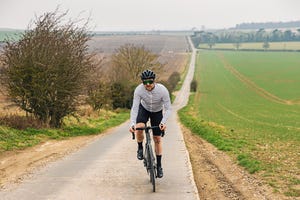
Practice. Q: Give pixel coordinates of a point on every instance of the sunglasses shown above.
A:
(145, 82)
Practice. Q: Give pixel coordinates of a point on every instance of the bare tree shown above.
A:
(130, 60)
(46, 70)
(127, 63)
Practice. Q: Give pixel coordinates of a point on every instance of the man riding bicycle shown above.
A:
(149, 100)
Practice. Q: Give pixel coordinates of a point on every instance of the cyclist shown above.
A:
(149, 101)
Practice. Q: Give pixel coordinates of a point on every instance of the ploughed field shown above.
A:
(159, 44)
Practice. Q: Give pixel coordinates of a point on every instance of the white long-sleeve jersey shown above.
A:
(155, 100)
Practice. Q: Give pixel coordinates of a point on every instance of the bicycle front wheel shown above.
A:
(151, 168)
(152, 177)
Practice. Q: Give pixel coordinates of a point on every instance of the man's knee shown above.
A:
(140, 125)
(157, 139)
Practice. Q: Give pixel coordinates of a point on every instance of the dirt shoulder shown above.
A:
(216, 175)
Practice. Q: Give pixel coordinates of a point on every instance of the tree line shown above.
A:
(261, 35)
(268, 25)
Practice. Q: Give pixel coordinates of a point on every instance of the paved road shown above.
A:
(108, 169)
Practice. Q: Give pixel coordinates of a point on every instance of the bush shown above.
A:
(47, 69)
(194, 85)
(122, 95)
(99, 96)
(173, 81)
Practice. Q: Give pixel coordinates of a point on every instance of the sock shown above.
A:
(140, 145)
(158, 159)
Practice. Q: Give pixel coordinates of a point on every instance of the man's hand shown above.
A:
(162, 127)
(131, 129)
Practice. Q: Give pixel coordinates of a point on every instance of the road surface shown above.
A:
(108, 168)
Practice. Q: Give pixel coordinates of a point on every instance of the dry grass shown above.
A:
(21, 122)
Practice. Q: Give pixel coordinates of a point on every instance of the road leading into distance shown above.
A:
(108, 168)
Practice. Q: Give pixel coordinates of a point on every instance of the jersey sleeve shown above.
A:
(166, 105)
(135, 107)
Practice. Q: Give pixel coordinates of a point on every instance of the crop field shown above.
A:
(252, 100)
(280, 46)
(159, 44)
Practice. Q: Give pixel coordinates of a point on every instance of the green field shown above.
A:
(248, 103)
(256, 45)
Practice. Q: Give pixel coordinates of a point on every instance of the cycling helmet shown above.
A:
(147, 74)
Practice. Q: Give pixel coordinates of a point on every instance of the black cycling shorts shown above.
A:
(155, 118)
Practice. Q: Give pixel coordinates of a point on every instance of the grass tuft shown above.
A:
(249, 163)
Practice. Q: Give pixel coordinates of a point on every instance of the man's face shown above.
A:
(149, 84)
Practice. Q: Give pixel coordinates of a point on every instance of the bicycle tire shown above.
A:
(152, 175)
(151, 168)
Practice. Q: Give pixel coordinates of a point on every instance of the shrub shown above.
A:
(173, 81)
(194, 85)
(46, 70)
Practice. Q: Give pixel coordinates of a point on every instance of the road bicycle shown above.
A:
(149, 159)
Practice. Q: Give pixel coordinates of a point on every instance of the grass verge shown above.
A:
(13, 139)
(217, 136)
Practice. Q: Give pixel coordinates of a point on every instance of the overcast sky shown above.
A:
(129, 15)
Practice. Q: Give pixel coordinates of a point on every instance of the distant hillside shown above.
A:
(9, 33)
(268, 25)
